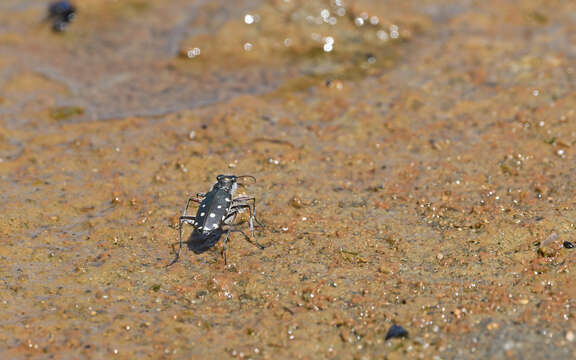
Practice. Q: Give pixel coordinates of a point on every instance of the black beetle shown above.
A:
(396, 331)
(61, 13)
(215, 216)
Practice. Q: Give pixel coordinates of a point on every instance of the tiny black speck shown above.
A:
(61, 13)
(396, 331)
(568, 245)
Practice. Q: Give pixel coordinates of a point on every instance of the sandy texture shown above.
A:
(418, 172)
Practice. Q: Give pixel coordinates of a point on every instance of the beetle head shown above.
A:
(230, 182)
(226, 182)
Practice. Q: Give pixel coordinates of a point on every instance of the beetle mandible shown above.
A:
(217, 210)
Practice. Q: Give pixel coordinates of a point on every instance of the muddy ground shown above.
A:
(415, 166)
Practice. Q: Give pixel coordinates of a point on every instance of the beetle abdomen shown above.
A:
(213, 210)
(200, 241)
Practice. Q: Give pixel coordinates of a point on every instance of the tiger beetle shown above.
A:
(215, 216)
(61, 13)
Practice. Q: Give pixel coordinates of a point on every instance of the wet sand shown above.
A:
(414, 163)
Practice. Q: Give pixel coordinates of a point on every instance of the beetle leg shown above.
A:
(247, 238)
(183, 220)
(229, 217)
(196, 200)
(224, 247)
(250, 221)
(245, 200)
(232, 213)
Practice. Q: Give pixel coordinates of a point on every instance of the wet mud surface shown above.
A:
(415, 166)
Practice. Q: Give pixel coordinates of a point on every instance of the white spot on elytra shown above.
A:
(212, 215)
(227, 199)
(202, 214)
(219, 206)
(215, 226)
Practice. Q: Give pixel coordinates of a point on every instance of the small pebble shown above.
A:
(396, 331)
(568, 245)
(570, 336)
(492, 326)
(296, 202)
(550, 246)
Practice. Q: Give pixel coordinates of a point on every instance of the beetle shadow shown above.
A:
(199, 243)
